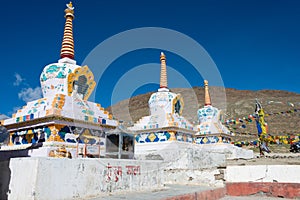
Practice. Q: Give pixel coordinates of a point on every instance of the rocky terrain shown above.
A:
(234, 103)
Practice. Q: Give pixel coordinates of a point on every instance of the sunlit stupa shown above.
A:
(64, 115)
(210, 128)
(165, 122)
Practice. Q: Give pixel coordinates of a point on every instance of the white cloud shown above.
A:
(15, 109)
(18, 80)
(27, 93)
(30, 94)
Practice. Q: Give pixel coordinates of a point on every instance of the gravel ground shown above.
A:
(269, 159)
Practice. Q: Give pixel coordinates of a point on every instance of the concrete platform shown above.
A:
(146, 179)
(171, 192)
(183, 192)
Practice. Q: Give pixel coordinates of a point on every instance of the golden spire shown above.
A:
(206, 94)
(163, 71)
(67, 49)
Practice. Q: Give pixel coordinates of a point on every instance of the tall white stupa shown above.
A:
(165, 122)
(64, 114)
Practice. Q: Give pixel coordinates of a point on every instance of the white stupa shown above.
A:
(64, 114)
(165, 122)
(210, 128)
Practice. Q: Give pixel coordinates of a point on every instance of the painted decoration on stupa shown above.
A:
(210, 128)
(165, 107)
(66, 88)
(165, 117)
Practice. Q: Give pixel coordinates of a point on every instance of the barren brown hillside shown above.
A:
(235, 103)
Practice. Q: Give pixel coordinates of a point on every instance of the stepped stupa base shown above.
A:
(171, 151)
(47, 149)
(213, 138)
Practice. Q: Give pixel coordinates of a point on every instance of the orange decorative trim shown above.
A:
(163, 71)
(67, 49)
(206, 94)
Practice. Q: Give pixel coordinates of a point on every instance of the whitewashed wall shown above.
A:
(263, 173)
(51, 178)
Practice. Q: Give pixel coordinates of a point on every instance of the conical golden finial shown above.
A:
(163, 71)
(206, 94)
(67, 49)
(70, 5)
(69, 10)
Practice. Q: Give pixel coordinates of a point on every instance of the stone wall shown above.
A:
(263, 173)
(186, 163)
(272, 180)
(53, 178)
(208, 154)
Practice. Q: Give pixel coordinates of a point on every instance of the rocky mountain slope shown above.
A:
(235, 103)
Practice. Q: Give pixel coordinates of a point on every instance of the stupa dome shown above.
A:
(165, 101)
(54, 78)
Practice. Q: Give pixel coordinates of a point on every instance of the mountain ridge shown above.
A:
(235, 104)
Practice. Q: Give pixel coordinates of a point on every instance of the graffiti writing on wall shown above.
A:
(135, 170)
(114, 173)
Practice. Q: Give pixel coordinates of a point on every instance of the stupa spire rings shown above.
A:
(163, 71)
(67, 49)
(207, 100)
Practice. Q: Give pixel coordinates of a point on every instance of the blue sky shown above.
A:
(254, 44)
